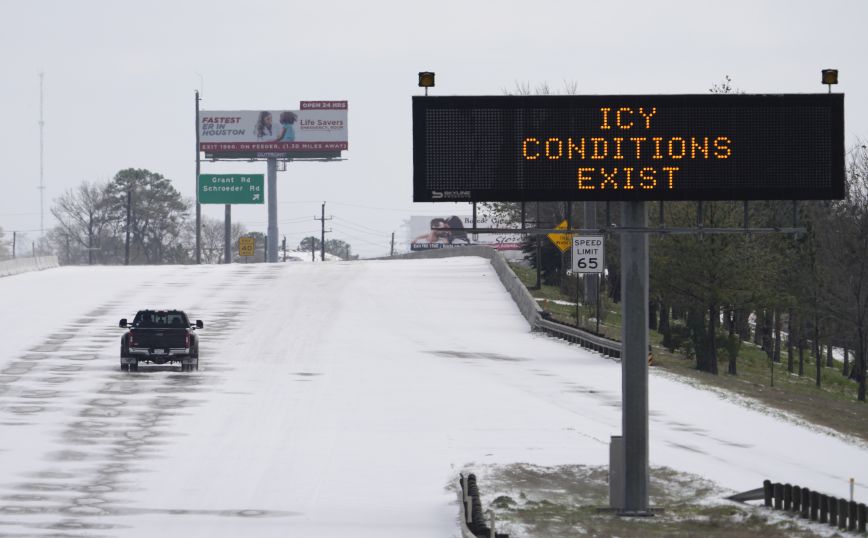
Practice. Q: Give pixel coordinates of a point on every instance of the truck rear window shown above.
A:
(158, 318)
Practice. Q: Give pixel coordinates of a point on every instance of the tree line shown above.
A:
(794, 296)
(139, 218)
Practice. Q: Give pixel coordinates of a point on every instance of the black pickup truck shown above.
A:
(160, 336)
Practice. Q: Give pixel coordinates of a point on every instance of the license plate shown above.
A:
(159, 352)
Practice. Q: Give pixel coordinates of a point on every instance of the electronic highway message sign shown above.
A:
(628, 147)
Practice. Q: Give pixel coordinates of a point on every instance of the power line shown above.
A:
(363, 240)
(403, 210)
(361, 225)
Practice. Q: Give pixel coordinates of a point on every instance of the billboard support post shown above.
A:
(634, 364)
(271, 245)
(227, 234)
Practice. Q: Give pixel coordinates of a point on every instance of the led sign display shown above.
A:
(628, 147)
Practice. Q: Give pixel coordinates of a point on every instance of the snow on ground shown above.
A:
(332, 399)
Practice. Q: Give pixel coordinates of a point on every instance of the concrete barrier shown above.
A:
(16, 266)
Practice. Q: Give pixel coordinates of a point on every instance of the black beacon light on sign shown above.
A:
(426, 80)
(830, 76)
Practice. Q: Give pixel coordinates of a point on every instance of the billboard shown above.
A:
(316, 129)
(628, 147)
(448, 231)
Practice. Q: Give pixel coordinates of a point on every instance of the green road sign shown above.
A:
(231, 189)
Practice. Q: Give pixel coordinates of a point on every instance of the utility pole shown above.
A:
(392, 250)
(14, 239)
(198, 205)
(41, 161)
(129, 208)
(284, 248)
(312, 248)
(323, 231)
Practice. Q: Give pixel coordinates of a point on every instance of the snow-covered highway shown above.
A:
(332, 399)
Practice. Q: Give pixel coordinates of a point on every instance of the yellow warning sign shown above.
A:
(562, 241)
(246, 246)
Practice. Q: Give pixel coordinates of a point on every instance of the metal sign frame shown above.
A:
(628, 147)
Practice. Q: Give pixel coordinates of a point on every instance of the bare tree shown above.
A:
(85, 222)
(213, 239)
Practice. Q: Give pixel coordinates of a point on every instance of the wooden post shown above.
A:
(806, 503)
(815, 504)
(779, 495)
(833, 511)
(767, 492)
(797, 499)
(824, 509)
(788, 497)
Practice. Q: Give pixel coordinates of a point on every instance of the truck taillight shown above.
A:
(187, 340)
(130, 341)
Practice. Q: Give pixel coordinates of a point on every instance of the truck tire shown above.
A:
(134, 367)
(124, 349)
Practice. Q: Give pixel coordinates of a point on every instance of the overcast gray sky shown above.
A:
(120, 76)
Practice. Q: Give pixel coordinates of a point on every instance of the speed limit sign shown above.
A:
(246, 246)
(588, 254)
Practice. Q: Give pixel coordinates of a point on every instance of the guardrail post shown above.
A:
(842, 514)
(824, 508)
(851, 519)
(767, 492)
(815, 504)
(778, 494)
(833, 511)
(468, 505)
(862, 516)
(797, 499)
(788, 497)
(806, 503)
(491, 533)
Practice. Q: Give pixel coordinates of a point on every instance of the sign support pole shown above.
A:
(590, 220)
(271, 240)
(227, 234)
(634, 364)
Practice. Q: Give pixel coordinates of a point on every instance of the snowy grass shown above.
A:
(570, 501)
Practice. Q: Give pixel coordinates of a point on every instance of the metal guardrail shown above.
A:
(610, 348)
